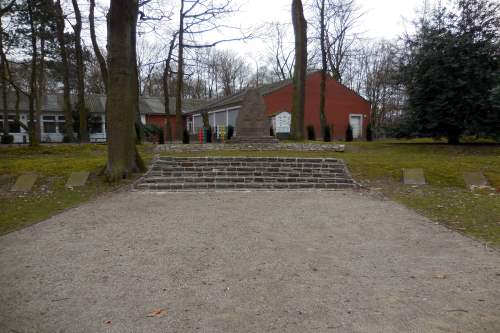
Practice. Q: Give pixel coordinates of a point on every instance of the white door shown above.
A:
(357, 126)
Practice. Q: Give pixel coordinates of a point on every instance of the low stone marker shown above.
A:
(24, 183)
(413, 177)
(77, 179)
(475, 180)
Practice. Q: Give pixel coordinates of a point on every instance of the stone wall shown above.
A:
(250, 147)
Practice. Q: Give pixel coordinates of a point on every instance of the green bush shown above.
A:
(327, 135)
(230, 132)
(369, 133)
(185, 136)
(311, 135)
(348, 134)
(7, 139)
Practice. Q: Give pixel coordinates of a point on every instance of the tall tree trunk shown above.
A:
(166, 95)
(61, 39)
(80, 75)
(123, 158)
(32, 89)
(299, 75)
(95, 46)
(180, 78)
(139, 129)
(40, 89)
(3, 74)
(324, 65)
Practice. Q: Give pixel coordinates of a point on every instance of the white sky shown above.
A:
(382, 19)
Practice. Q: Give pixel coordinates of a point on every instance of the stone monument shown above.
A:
(253, 124)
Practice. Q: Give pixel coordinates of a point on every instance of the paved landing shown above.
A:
(246, 262)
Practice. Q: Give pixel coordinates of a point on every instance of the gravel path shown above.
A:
(245, 262)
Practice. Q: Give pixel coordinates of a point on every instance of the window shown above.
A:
(60, 124)
(49, 127)
(95, 125)
(14, 125)
(49, 124)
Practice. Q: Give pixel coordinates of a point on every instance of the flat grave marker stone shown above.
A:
(25, 183)
(475, 180)
(414, 177)
(77, 179)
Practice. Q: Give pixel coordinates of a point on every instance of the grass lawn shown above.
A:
(374, 164)
(446, 200)
(53, 164)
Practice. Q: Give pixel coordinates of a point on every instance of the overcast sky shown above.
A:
(385, 19)
(381, 19)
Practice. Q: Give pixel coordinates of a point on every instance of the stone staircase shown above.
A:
(245, 173)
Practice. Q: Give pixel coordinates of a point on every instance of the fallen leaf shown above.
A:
(156, 313)
(440, 276)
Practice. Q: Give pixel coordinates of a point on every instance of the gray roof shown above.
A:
(97, 103)
(237, 99)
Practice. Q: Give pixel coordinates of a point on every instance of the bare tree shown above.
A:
(340, 19)
(196, 17)
(299, 75)
(3, 74)
(123, 158)
(80, 74)
(281, 52)
(68, 124)
(95, 45)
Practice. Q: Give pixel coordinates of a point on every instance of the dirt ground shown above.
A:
(246, 262)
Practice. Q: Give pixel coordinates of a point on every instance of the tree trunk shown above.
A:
(61, 39)
(299, 76)
(166, 95)
(180, 78)
(123, 158)
(80, 76)
(95, 46)
(40, 90)
(322, 87)
(32, 89)
(68, 117)
(6, 127)
(139, 129)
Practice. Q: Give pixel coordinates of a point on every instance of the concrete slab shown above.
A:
(77, 179)
(25, 183)
(414, 177)
(475, 180)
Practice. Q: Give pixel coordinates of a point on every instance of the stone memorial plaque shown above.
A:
(413, 177)
(475, 180)
(24, 183)
(77, 179)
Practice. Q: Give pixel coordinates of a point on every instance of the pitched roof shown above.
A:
(97, 103)
(237, 98)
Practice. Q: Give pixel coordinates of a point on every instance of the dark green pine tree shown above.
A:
(451, 69)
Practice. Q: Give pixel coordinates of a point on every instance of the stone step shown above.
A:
(248, 159)
(241, 186)
(245, 173)
(177, 173)
(243, 168)
(246, 180)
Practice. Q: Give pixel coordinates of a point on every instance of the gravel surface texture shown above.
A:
(246, 262)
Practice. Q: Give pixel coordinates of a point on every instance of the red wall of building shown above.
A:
(340, 103)
(160, 120)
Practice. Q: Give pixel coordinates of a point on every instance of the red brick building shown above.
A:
(343, 106)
